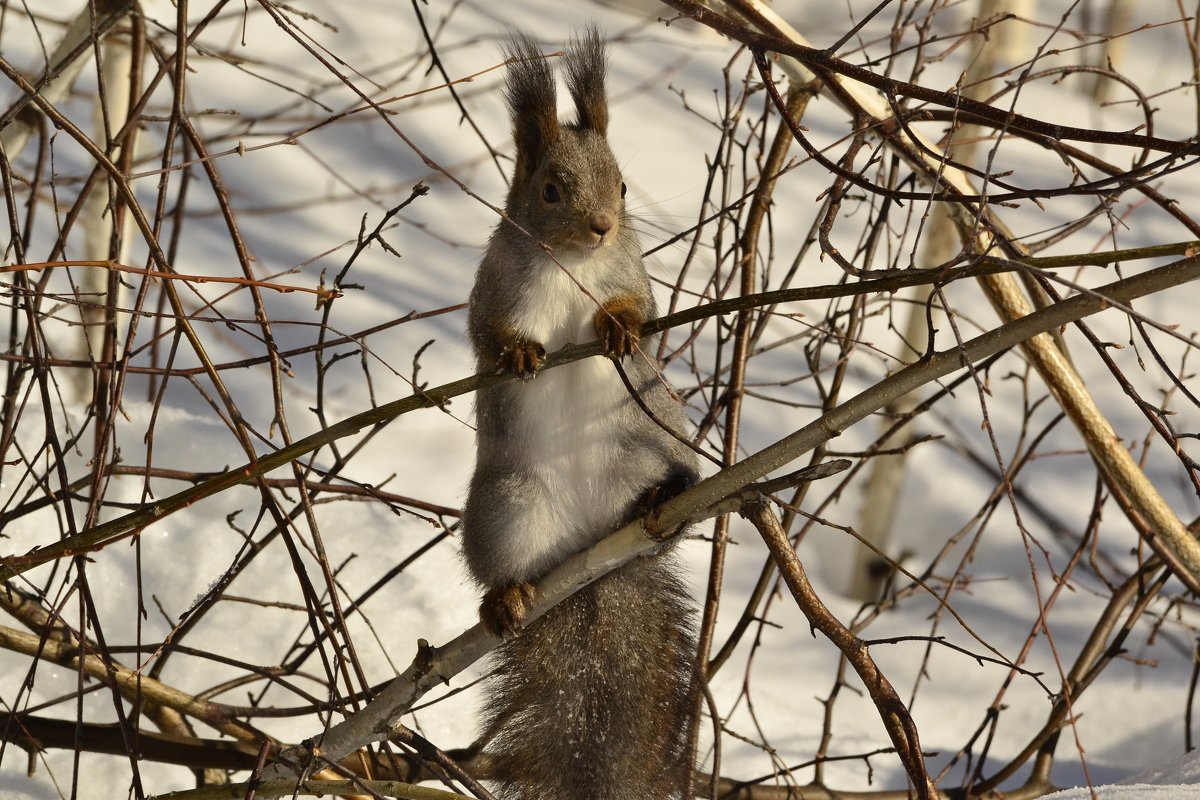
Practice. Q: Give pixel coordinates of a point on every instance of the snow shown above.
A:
(1176, 780)
(1136, 791)
(301, 206)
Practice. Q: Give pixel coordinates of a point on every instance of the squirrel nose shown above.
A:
(601, 224)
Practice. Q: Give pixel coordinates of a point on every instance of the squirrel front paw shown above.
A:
(619, 329)
(504, 608)
(522, 359)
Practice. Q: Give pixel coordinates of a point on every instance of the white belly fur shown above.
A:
(567, 421)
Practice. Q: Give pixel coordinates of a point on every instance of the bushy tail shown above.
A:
(593, 701)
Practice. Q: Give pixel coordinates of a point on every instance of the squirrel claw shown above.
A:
(651, 501)
(619, 332)
(522, 359)
(504, 608)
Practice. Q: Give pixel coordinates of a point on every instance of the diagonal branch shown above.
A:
(1140, 500)
(893, 712)
(716, 494)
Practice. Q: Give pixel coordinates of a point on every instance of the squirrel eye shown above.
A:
(550, 193)
(622, 188)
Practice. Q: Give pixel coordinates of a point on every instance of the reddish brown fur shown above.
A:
(619, 325)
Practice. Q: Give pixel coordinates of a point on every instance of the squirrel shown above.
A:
(596, 700)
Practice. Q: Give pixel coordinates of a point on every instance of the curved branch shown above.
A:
(893, 712)
(972, 110)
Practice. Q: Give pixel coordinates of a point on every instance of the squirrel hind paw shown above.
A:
(653, 498)
(504, 609)
(522, 359)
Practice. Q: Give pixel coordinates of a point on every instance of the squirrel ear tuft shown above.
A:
(532, 100)
(585, 64)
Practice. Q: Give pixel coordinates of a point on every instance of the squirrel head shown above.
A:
(566, 188)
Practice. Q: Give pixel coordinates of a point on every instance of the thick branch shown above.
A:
(1143, 505)
(436, 666)
(130, 682)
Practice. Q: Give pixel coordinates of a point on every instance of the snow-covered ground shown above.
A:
(301, 203)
